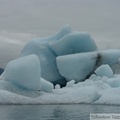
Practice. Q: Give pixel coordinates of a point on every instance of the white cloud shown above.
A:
(21, 20)
(11, 45)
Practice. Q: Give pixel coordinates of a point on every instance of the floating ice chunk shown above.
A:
(46, 85)
(24, 72)
(70, 83)
(114, 82)
(104, 70)
(46, 56)
(76, 66)
(57, 86)
(75, 42)
(109, 57)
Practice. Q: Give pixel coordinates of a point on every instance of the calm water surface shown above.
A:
(53, 112)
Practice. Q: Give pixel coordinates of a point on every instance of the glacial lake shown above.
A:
(53, 112)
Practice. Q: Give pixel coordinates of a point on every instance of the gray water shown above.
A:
(53, 112)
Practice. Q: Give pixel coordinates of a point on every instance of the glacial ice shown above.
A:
(74, 42)
(47, 58)
(76, 66)
(46, 85)
(109, 57)
(90, 91)
(74, 55)
(24, 72)
(104, 70)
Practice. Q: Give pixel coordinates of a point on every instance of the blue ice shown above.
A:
(76, 66)
(47, 58)
(104, 70)
(24, 72)
(74, 42)
(46, 85)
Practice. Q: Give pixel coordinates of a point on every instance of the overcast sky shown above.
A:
(22, 20)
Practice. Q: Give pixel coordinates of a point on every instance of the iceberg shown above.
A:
(76, 66)
(24, 72)
(104, 70)
(47, 57)
(63, 68)
(74, 42)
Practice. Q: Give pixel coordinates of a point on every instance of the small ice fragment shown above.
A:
(104, 70)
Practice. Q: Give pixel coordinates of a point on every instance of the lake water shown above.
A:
(53, 112)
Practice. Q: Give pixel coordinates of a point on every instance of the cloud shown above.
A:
(11, 45)
(22, 20)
